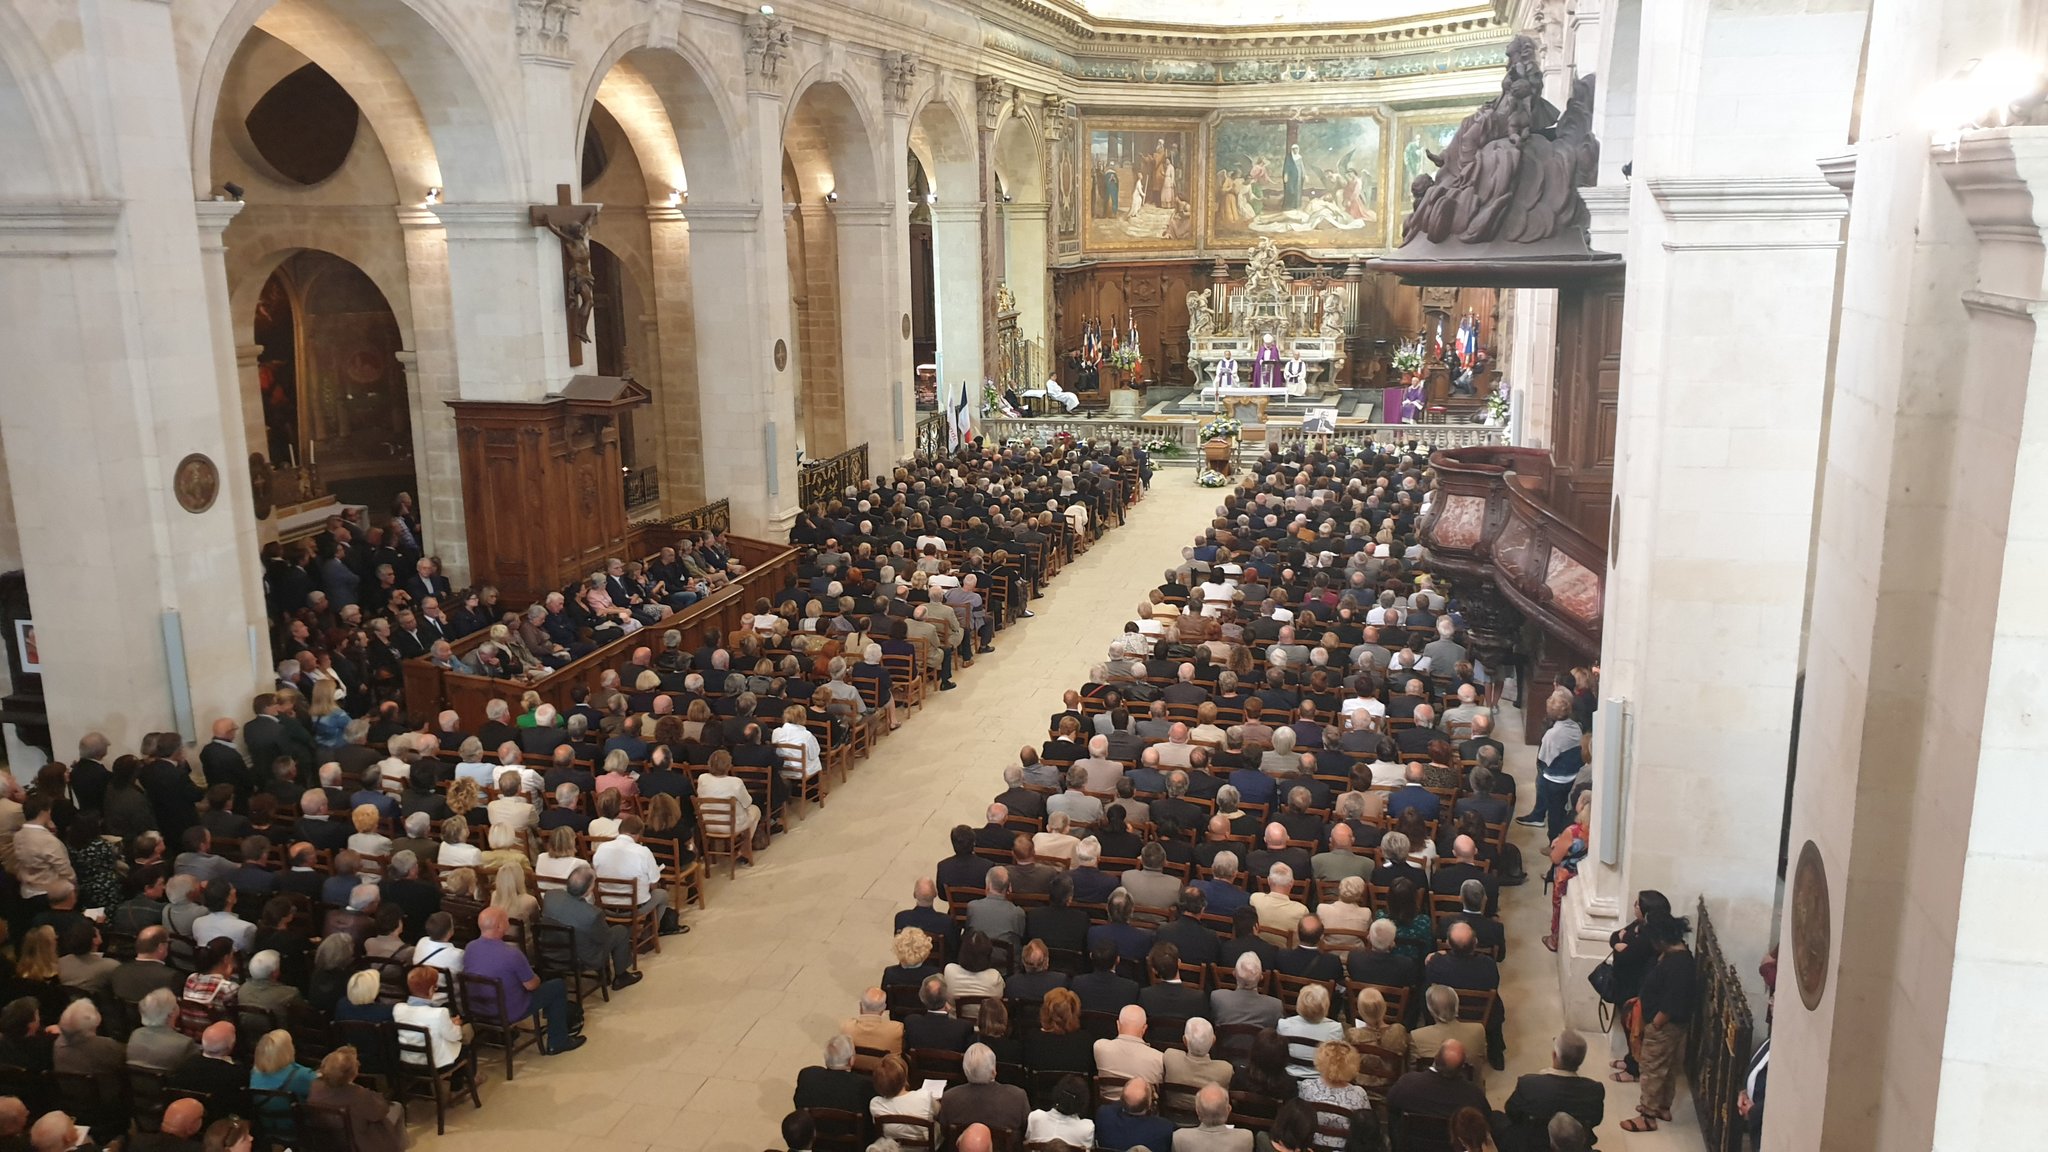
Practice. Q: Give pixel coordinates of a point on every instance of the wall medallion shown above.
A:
(781, 355)
(1812, 926)
(259, 484)
(906, 325)
(196, 483)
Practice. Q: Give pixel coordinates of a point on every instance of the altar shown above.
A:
(1267, 337)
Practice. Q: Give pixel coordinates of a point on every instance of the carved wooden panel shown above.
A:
(1587, 401)
(542, 494)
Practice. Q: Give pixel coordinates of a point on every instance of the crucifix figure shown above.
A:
(571, 225)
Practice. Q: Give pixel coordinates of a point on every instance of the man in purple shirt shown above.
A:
(489, 957)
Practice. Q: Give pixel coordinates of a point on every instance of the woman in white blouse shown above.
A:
(894, 1096)
(792, 731)
(974, 972)
(1067, 1120)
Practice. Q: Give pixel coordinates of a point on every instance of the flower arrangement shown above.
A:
(1497, 407)
(992, 399)
(1124, 357)
(1408, 358)
(1221, 428)
(1162, 447)
(1210, 478)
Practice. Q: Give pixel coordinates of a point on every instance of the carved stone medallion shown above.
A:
(1812, 926)
(906, 325)
(196, 483)
(259, 484)
(781, 355)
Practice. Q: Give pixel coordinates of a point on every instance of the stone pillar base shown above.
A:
(1584, 924)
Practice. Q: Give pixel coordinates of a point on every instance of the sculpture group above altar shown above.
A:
(1291, 334)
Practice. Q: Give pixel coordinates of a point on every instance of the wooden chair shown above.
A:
(619, 899)
(1288, 989)
(685, 882)
(416, 1070)
(935, 1064)
(908, 685)
(719, 834)
(1396, 997)
(482, 1000)
(1333, 1123)
(924, 1135)
(1109, 1088)
(1477, 1004)
(803, 786)
(1252, 1111)
(838, 1131)
(554, 956)
(1414, 1132)
(322, 1128)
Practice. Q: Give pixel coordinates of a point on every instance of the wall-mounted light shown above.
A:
(931, 197)
(2002, 88)
(832, 197)
(233, 190)
(433, 196)
(767, 10)
(675, 197)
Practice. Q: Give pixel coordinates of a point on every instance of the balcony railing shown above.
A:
(831, 477)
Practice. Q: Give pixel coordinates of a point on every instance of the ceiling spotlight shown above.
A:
(433, 195)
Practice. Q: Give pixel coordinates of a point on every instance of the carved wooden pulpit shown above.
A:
(543, 493)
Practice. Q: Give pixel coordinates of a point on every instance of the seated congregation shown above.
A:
(1246, 894)
(287, 935)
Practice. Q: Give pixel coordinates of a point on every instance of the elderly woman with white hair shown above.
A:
(871, 669)
(1349, 911)
(1310, 1027)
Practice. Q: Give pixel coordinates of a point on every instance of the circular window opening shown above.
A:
(304, 126)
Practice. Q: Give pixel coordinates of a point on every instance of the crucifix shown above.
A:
(571, 225)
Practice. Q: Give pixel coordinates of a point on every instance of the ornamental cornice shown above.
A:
(1180, 58)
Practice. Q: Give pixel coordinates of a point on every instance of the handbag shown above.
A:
(1602, 980)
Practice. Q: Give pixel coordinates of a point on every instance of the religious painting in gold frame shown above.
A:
(1303, 177)
(1143, 182)
(1416, 134)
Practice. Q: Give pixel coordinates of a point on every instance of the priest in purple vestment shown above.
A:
(1266, 364)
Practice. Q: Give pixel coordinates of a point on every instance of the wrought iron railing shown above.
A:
(643, 486)
(831, 477)
(931, 435)
(1722, 1041)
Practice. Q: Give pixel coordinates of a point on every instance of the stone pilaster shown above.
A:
(956, 268)
(682, 448)
(430, 379)
(875, 383)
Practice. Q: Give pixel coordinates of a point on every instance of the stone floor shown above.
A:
(703, 1054)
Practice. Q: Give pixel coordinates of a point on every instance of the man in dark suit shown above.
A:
(562, 770)
(921, 915)
(1482, 737)
(544, 737)
(1378, 963)
(1492, 807)
(214, 1071)
(425, 582)
(1244, 937)
(1192, 939)
(936, 1026)
(1462, 966)
(299, 876)
(963, 869)
(1017, 799)
(1540, 1095)
(982, 1101)
(1276, 851)
(274, 731)
(1131, 942)
(1102, 990)
(168, 782)
(419, 898)
(1168, 1002)
(221, 762)
(315, 827)
(1424, 732)
(1057, 922)
(600, 946)
(1450, 876)
(1175, 806)
(1440, 1089)
(835, 1084)
(1489, 932)
(1413, 795)
(1306, 959)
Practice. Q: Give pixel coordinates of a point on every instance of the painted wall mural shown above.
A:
(1416, 136)
(1300, 177)
(1143, 184)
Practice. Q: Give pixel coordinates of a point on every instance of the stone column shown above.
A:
(874, 374)
(742, 311)
(1024, 271)
(682, 449)
(505, 291)
(430, 383)
(956, 270)
(1731, 249)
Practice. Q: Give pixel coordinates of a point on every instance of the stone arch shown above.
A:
(830, 138)
(679, 124)
(1020, 158)
(37, 132)
(413, 70)
(943, 136)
